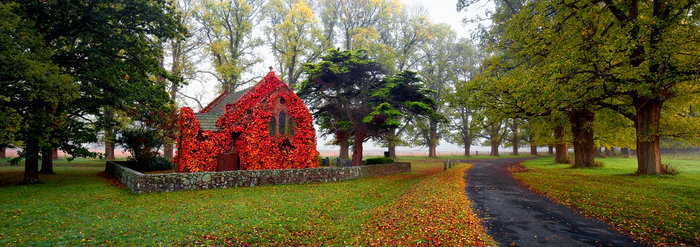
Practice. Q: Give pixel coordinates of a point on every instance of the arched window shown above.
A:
(283, 123)
(290, 129)
(273, 125)
(280, 125)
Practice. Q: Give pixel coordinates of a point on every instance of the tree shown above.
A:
(435, 68)
(660, 63)
(182, 53)
(613, 130)
(494, 132)
(10, 123)
(338, 91)
(228, 27)
(406, 96)
(623, 56)
(88, 56)
(294, 37)
(32, 84)
(514, 134)
(551, 81)
(462, 104)
(348, 91)
(464, 123)
(356, 19)
(400, 34)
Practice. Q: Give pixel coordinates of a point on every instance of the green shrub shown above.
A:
(160, 164)
(142, 143)
(379, 160)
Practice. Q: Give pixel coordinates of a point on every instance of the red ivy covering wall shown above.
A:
(249, 118)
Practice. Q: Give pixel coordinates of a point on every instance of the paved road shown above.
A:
(515, 216)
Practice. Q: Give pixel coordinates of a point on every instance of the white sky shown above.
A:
(439, 11)
(445, 11)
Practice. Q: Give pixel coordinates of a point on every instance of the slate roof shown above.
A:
(207, 117)
(217, 105)
(207, 121)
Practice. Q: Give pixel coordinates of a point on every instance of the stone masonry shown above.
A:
(139, 182)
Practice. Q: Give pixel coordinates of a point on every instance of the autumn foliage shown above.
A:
(433, 212)
(248, 119)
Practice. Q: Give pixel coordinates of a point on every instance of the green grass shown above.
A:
(77, 207)
(660, 208)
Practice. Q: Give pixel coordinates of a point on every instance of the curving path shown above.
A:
(515, 216)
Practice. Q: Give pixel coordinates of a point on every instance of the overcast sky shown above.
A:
(445, 11)
(439, 11)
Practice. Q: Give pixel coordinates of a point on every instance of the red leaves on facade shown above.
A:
(247, 123)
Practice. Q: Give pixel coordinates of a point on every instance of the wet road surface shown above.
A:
(515, 216)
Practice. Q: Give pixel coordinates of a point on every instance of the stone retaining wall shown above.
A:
(139, 182)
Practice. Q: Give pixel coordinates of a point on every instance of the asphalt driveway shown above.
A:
(515, 216)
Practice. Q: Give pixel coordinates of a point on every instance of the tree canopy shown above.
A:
(65, 61)
(583, 57)
(351, 96)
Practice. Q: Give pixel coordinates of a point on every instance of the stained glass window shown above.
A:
(273, 125)
(282, 119)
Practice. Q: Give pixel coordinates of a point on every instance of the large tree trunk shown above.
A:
(467, 139)
(344, 150)
(562, 152)
(2, 153)
(582, 130)
(109, 145)
(432, 139)
(533, 149)
(516, 138)
(54, 154)
(46, 161)
(550, 149)
(494, 148)
(357, 149)
(391, 144)
(109, 135)
(647, 129)
(31, 161)
(343, 140)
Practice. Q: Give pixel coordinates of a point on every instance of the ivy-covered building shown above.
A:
(266, 126)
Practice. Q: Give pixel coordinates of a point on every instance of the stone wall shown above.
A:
(139, 182)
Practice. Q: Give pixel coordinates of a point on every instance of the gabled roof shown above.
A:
(208, 115)
(217, 105)
(207, 121)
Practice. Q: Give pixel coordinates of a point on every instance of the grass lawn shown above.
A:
(661, 208)
(76, 207)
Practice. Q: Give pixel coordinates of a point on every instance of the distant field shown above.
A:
(65, 162)
(462, 157)
(661, 208)
(78, 207)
